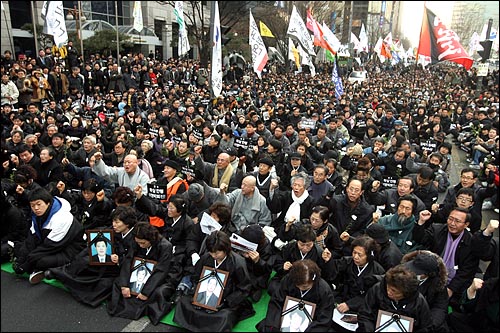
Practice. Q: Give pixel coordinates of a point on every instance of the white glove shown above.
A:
(194, 258)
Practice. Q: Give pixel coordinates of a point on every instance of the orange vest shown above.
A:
(158, 221)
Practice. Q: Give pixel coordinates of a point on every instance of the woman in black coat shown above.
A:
(154, 298)
(49, 170)
(91, 284)
(396, 293)
(287, 201)
(234, 305)
(353, 274)
(259, 261)
(432, 276)
(304, 282)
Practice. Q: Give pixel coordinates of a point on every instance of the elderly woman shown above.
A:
(295, 205)
(16, 138)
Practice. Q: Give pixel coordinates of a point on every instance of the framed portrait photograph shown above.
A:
(139, 274)
(393, 322)
(297, 315)
(210, 288)
(100, 246)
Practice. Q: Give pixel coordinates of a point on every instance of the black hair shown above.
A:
(410, 198)
(222, 210)
(122, 195)
(40, 194)
(403, 279)
(369, 244)
(179, 203)
(305, 233)
(126, 214)
(218, 241)
(426, 172)
(304, 271)
(322, 211)
(24, 174)
(145, 230)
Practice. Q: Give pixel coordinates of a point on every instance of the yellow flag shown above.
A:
(296, 56)
(265, 31)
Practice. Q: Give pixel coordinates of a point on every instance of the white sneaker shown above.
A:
(37, 277)
(496, 210)
(487, 205)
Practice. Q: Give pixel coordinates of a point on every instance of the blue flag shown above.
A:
(339, 88)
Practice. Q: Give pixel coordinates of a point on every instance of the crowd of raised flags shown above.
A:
(300, 40)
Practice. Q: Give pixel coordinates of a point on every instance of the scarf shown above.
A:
(449, 254)
(226, 177)
(294, 209)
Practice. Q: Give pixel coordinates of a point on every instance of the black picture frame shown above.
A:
(141, 269)
(95, 239)
(214, 279)
(296, 315)
(393, 322)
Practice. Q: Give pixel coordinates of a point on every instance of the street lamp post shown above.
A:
(79, 17)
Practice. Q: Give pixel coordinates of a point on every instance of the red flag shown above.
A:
(440, 43)
(309, 20)
(385, 51)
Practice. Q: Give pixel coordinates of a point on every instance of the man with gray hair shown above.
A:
(249, 206)
(294, 205)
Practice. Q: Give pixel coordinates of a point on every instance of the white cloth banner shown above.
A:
(55, 24)
(137, 15)
(355, 41)
(184, 46)
(363, 39)
(306, 60)
(330, 38)
(298, 30)
(216, 65)
(259, 51)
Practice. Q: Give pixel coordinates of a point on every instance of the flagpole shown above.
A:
(212, 17)
(8, 31)
(81, 30)
(117, 35)
(35, 34)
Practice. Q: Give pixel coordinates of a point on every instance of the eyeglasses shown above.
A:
(467, 177)
(454, 220)
(463, 199)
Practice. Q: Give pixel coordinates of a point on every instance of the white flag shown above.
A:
(184, 46)
(306, 60)
(297, 29)
(216, 64)
(363, 39)
(259, 52)
(330, 38)
(137, 14)
(290, 50)
(378, 49)
(55, 24)
(355, 41)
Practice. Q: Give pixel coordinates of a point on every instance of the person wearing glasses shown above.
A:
(465, 200)
(468, 179)
(455, 244)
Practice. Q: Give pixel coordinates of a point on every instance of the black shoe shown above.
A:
(256, 295)
(49, 275)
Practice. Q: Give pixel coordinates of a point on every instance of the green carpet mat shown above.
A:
(247, 325)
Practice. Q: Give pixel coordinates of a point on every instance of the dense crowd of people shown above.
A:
(336, 199)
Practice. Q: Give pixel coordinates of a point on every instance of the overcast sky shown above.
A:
(413, 11)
